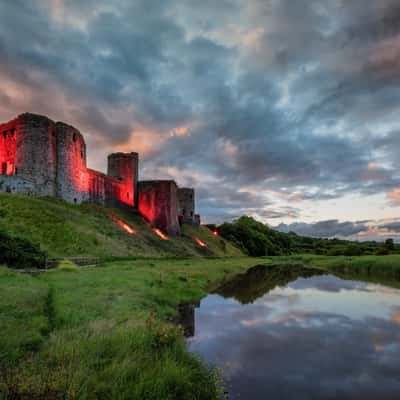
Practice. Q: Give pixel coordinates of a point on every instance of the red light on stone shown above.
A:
(215, 233)
(161, 234)
(125, 226)
(10, 169)
(200, 242)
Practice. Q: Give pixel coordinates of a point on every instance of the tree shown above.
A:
(389, 244)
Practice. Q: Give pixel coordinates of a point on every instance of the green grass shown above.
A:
(104, 332)
(67, 230)
(23, 321)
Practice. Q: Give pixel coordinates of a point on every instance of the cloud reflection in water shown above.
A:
(318, 337)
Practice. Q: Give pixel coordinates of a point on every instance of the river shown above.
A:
(297, 333)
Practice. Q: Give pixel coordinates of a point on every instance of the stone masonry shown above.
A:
(43, 158)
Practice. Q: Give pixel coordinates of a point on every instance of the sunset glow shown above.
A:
(259, 123)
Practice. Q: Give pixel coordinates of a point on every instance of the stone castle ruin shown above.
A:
(45, 158)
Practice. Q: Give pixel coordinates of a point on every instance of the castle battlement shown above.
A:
(45, 158)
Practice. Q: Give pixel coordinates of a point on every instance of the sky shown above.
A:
(284, 110)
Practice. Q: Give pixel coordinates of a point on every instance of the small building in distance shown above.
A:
(45, 158)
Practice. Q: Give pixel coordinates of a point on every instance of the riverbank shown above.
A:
(103, 332)
(377, 269)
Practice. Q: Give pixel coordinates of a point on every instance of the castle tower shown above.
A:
(159, 204)
(28, 155)
(124, 167)
(72, 174)
(186, 205)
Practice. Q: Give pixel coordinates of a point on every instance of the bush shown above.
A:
(68, 266)
(382, 251)
(353, 250)
(20, 253)
(389, 244)
(255, 238)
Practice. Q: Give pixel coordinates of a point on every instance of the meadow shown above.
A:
(107, 332)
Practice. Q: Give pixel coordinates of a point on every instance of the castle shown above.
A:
(45, 158)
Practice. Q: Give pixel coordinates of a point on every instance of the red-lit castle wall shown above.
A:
(158, 203)
(7, 147)
(124, 168)
(40, 157)
(72, 174)
(28, 155)
(44, 158)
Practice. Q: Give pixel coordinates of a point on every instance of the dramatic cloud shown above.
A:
(325, 228)
(359, 230)
(270, 108)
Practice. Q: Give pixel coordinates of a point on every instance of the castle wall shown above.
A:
(43, 158)
(96, 187)
(72, 174)
(117, 193)
(8, 133)
(124, 167)
(28, 155)
(105, 190)
(186, 205)
(158, 203)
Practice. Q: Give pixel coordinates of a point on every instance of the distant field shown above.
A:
(67, 230)
(379, 267)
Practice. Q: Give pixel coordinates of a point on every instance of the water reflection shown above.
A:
(303, 336)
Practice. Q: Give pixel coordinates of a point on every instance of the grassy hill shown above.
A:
(66, 230)
(257, 239)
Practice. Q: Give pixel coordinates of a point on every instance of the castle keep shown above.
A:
(45, 158)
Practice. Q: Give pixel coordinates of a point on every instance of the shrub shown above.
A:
(382, 251)
(255, 238)
(353, 250)
(20, 253)
(68, 266)
(389, 244)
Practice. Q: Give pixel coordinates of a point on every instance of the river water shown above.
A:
(295, 333)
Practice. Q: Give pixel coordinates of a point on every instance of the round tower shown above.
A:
(72, 175)
(35, 154)
(124, 167)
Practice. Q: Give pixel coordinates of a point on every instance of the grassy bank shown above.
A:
(67, 230)
(103, 332)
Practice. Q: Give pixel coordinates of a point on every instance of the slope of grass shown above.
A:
(67, 230)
